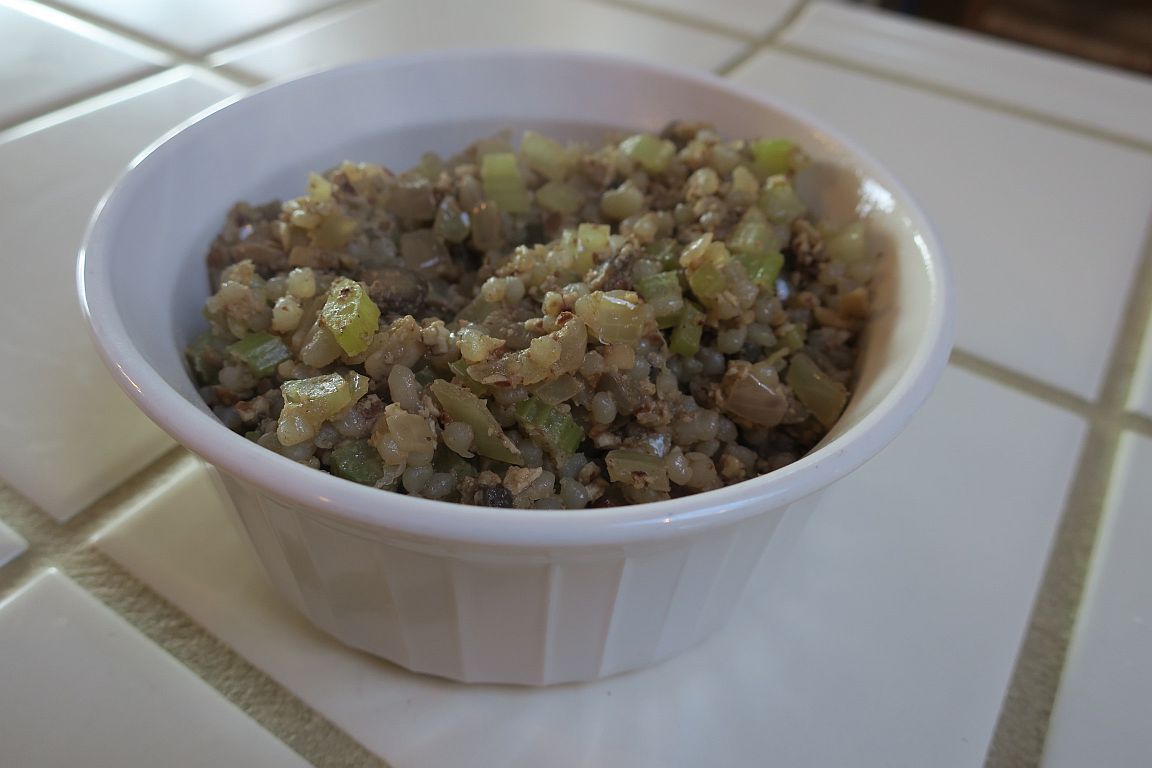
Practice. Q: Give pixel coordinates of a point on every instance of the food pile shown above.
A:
(557, 326)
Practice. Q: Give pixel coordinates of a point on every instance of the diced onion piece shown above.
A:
(412, 432)
(779, 202)
(821, 394)
(335, 231)
(462, 405)
(503, 183)
(753, 234)
(615, 317)
(350, 315)
(637, 470)
(752, 394)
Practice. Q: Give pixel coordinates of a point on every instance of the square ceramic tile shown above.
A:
(1044, 227)
(1089, 94)
(48, 58)
(83, 688)
(1140, 398)
(197, 26)
(744, 17)
(885, 635)
(11, 544)
(1102, 710)
(395, 26)
(70, 434)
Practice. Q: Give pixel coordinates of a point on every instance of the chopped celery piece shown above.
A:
(308, 403)
(462, 405)
(779, 202)
(638, 470)
(763, 268)
(666, 251)
(460, 368)
(206, 355)
(771, 157)
(451, 223)
(350, 315)
(261, 352)
(591, 239)
(753, 234)
(558, 390)
(685, 339)
(707, 281)
(652, 152)
(357, 461)
(663, 290)
(545, 156)
(822, 395)
(503, 183)
(615, 317)
(660, 284)
(559, 197)
(551, 427)
(320, 396)
(620, 203)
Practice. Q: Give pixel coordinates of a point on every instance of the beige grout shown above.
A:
(987, 102)
(50, 541)
(1022, 727)
(679, 17)
(1022, 383)
(769, 37)
(250, 689)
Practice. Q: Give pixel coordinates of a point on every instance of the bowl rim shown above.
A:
(417, 518)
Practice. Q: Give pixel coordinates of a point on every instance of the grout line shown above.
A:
(1055, 121)
(66, 103)
(679, 17)
(67, 546)
(1138, 422)
(1025, 715)
(764, 40)
(107, 98)
(250, 689)
(284, 27)
(112, 27)
(49, 541)
(1022, 382)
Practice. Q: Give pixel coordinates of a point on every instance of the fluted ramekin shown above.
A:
(479, 594)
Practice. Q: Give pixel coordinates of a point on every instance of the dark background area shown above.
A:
(1117, 33)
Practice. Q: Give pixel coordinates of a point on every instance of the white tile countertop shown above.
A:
(994, 610)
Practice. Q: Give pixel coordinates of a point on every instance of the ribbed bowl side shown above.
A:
(502, 615)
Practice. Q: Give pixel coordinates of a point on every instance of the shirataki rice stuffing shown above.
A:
(558, 326)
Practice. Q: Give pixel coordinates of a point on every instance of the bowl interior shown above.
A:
(144, 281)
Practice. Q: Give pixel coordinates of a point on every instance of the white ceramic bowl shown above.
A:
(478, 594)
